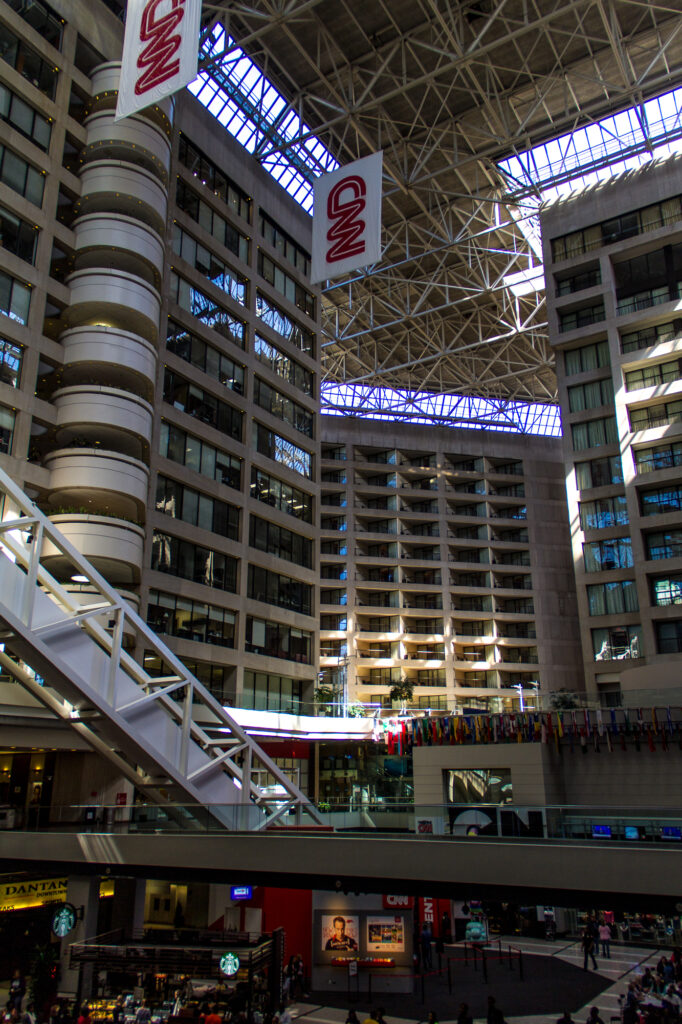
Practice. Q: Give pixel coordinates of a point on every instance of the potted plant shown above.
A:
(324, 698)
(401, 694)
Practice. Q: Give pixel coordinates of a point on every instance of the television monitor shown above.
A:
(632, 832)
(671, 832)
(601, 831)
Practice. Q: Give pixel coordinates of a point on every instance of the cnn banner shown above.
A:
(347, 218)
(160, 51)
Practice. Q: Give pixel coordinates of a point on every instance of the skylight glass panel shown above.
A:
(237, 93)
(465, 411)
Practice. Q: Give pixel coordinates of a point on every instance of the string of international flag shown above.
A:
(582, 729)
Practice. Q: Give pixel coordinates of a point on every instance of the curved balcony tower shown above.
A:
(99, 455)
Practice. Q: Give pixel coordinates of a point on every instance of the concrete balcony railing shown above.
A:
(97, 410)
(104, 479)
(131, 246)
(115, 547)
(115, 185)
(132, 139)
(114, 299)
(113, 356)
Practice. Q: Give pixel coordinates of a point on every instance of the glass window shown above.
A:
(200, 404)
(284, 408)
(279, 322)
(280, 495)
(24, 118)
(603, 555)
(208, 312)
(181, 502)
(661, 500)
(15, 298)
(612, 598)
(205, 357)
(210, 265)
(275, 640)
(599, 472)
(11, 356)
(224, 233)
(603, 513)
(19, 175)
(283, 365)
(284, 244)
(282, 591)
(190, 620)
(587, 357)
(278, 448)
(190, 451)
(594, 433)
(617, 643)
(278, 541)
(669, 636)
(214, 178)
(286, 285)
(666, 590)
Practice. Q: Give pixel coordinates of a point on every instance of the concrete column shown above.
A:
(83, 893)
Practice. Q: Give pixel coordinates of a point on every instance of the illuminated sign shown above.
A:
(229, 964)
(35, 892)
(64, 920)
(241, 892)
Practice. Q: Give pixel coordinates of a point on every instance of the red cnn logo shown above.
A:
(161, 47)
(345, 203)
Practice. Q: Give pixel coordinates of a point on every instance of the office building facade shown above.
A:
(613, 260)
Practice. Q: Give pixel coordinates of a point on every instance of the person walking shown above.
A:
(495, 1015)
(143, 1015)
(605, 939)
(587, 944)
(17, 989)
(464, 1016)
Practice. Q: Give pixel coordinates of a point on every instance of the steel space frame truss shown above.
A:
(448, 88)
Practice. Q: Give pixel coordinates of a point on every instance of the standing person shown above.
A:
(17, 989)
(587, 944)
(566, 1019)
(464, 1017)
(213, 1017)
(431, 1019)
(594, 1017)
(143, 1015)
(284, 1014)
(605, 939)
(29, 1015)
(495, 1015)
(84, 1017)
(425, 943)
(371, 1018)
(352, 1017)
(380, 1015)
(118, 1015)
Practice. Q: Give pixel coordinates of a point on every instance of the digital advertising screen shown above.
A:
(386, 934)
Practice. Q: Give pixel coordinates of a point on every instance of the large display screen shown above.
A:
(386, 934)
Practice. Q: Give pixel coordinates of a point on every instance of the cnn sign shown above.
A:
(347, 218)
(160, 51)
(393, 902)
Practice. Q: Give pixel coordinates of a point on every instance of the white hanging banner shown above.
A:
(160, 51)
(347, 218)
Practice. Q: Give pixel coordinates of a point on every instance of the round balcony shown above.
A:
(115, 547)
(105, 81)
(132, 139)
(112, 298)
(121, 242)
(108, 416)
(116, 185)
(109, 482)
(108, 354)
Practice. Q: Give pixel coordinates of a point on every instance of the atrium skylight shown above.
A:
(466, 411)
(242, 99)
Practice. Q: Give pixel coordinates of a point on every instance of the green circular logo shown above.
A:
(229, 964)
(64, 920)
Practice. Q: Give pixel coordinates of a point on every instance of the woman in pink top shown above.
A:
(605, 939)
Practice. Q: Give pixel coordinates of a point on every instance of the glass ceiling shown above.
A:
(253, 110)
(466, 411)
(249, 106)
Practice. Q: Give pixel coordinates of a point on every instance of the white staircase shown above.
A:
(169, 736)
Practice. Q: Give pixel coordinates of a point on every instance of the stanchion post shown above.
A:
(423, 988)
(449, 978)
(466, 954)
(510, 960)
(484, 965)
(369, 985)
(520, 965)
